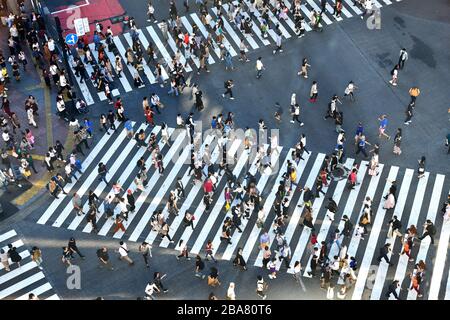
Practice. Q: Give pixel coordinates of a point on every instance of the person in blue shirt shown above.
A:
(88, 126)
(362, 145)
(97, 40)
(382, 127)
(214, 122)
(129, 127)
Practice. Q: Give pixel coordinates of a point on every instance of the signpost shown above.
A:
(71, 39)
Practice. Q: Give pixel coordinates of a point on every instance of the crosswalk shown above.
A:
(231, 39)
(22, 280)
(417, 200)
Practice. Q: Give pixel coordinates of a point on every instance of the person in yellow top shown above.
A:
(414, 92)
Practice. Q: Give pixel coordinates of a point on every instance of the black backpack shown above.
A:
(225, 84)
(432, 230)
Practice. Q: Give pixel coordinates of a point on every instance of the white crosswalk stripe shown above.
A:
(208, 225)
(82, 85)
(21, 280)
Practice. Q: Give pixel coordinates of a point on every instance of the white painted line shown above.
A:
(355, 8)
(201, 207)
(53, 297)
(205, 34)
(326, 224)
(21, 285)
(83, 87)
(160, 45)
(377, 4)
(37, 292)
(300, 170)
(439, 262)
(144, 42)
(111, 172)
(174, 48)
(147, 71)
(89, 180)
(68, 187)
(163, 190)
(189, 29)
(253, 168)
(373, 239)
(425, 244)
(7, 235)
(147, 215)
(230, 30)
(316, 7)
(189, 198)
(354, 242)
(17, 272)
(398, 211)
(217, 209)
(388, 2)
(330, 9)
(344, 10)
(254, 235)
(148, 164)
(260, 186)
(292, 24)
(348, 210)
(90, 70)
(123, 80)
(255, 28)
(72, 7)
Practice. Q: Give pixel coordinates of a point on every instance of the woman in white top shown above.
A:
(293, 100)
(165, 134)
(231, 295)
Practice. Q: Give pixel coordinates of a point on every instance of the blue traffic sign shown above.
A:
(71, 39)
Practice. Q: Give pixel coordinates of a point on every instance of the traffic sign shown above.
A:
(81, 26)
(71, 39)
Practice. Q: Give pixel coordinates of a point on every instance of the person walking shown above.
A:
(313, 93)
(394, 74)
(409, 113)
(66, 256)
(403, 56)
(384, 250)
(119, 224)
(278, 39)
(295, 111)
(349, 91)
(4, 258)
(146, 250)
(184, 252)
(239, 260)
(304, 68)
(261, 287)
(414, 92)
(259, 68)
(72, 245)
(102, 171)
(150, 290)
(103, 258)
(157, 280)
(228, 86)
(383, 122)
(77, 204)
(199, 267)
(392, 289)
(209, 251)
(398, 142)
(421, 168)
(429, 231)
(123, 252)
(231, 295)
(36, 256)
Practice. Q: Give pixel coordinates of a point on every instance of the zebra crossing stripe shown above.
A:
(377, 4)
(398, 211)
(99, 190)
(68, 187)
(354, 242)
(161, 47)
(17, 272)
(82, 85)
(352, 5)
(253, 238)
(373, 239)
(326, 224)
(260, 187)
(295, 216)
(144, 41)
(115, 92)
(174, 48)
(255, 28)
(249, 38)
(388, 2)
(147, 71)
(447, 289)
(253, 170)
(189, 199)
(90, 70)
(7, 235)
(259, 17)
(219, 206)
(201, 207)
(90, 179)
(53, 297)
(37, 292)
(439, 262)
(146, 217)
(21, 285)
(288, 5)
(189, 29)
(123, 80)
(148, 164)
(315, 7)
(164, 188)
(424, 244)
(348, 210)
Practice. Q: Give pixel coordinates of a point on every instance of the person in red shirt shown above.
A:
(208, 186)
(118, 103)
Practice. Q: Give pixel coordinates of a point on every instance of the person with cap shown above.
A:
(72, 245)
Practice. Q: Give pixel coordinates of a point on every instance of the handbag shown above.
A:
(227, 206)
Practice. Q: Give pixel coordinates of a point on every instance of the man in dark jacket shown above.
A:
(348, 226)
(384, 250)
(392, 290)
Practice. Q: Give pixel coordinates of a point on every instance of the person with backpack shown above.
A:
(348, 226)
(228, 85)
(429, 230)
(123, 252)
(261, 287)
